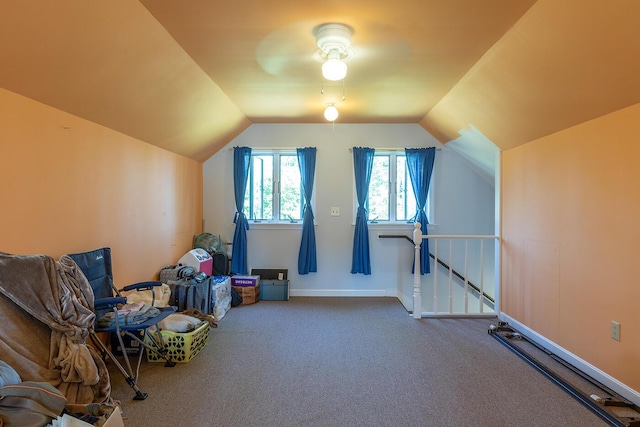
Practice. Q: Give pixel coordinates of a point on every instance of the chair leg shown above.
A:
(156, 346)
(125, 355)
(140, 395)
(159, 348)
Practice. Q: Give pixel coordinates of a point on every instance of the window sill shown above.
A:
(269, 225)
(396, 225)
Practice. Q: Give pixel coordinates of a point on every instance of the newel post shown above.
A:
(417, 295)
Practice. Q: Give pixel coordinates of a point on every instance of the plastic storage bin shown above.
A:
(274, 290)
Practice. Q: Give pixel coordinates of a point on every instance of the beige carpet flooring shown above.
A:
(348, 362)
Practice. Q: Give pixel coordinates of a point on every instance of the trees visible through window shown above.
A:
(274, 189)
(391, 197)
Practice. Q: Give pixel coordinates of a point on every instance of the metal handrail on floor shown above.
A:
(603, 404)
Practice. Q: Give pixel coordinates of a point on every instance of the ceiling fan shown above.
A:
(298, 50)
(334, 41)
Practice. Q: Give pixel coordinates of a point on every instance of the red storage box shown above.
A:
(245, 280)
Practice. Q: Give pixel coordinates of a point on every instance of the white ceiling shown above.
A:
(190, 75)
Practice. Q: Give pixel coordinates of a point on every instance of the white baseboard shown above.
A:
(406, 302)
(595, 373)
(340, 293)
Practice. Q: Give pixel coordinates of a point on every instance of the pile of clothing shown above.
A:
(129, 314)
(186, 321)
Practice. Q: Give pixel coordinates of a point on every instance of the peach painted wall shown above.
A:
(571, 206)
(70, 185)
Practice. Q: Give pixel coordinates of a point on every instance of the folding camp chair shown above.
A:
(96, 266)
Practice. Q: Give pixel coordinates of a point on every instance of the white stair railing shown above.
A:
(485, 304)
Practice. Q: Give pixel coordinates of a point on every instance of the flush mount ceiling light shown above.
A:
(334, 41)
(331, 113)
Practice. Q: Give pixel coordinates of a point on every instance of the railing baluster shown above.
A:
(450, 277)
(417, 293)
(435, 278)
(466, 275)
(481, 276)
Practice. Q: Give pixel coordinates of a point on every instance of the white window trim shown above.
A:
(281, 224)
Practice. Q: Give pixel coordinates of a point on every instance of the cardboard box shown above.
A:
(274, 290)
(112, 414)
(249, 294)
(245, 281)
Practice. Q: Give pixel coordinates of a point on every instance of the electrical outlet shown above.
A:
(335, 211)
(615, 330)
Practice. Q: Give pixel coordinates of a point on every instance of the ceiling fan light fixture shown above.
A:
(334, 68)
(334, 41)
(331, 113)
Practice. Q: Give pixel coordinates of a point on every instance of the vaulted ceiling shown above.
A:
(190, 75)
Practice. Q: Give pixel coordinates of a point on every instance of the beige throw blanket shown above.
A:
(46, 311)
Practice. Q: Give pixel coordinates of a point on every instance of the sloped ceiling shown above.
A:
(562, 63)
(190, 75)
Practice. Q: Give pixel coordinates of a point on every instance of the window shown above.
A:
(274, 188)
(391, 197)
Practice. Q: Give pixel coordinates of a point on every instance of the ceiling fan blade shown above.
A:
(291, 51)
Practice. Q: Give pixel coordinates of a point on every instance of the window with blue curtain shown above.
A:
(307, 262)
(362, 166)
(420, 166)
(268, 203)
(241, 163)
(390, 199)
